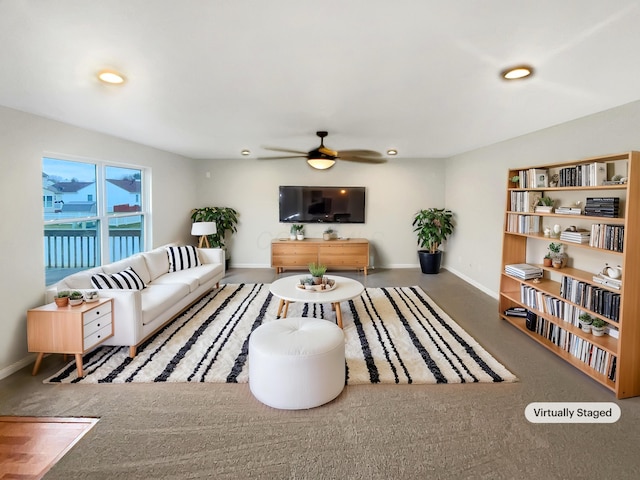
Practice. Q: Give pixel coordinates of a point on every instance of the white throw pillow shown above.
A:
(181, 258)
(126, 279)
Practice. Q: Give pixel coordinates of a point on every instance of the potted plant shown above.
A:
(432, 226)
(328, 234)
(546, 261)
(226, 219)
(545, 205)
(585, 322)
(597, 327)
(293, 231)
(75, 298)
(558, 257)
(62, 298)
(317, 271)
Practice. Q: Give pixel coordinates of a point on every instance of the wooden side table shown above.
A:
(69, 330)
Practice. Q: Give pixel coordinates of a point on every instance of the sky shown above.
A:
(83, 172)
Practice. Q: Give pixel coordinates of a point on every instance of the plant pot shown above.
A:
(597, 331)
(317, 280)
(292, 237)
(300, 236)
(546, 262)
(556, 263)
(586, 327)
(430, 262)
(62, 301)
(326, 236)
(75, 301)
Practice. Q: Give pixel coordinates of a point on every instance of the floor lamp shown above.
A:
(203, 229)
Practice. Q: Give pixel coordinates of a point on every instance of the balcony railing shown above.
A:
(71, 250)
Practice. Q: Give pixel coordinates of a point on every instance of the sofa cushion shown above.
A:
(126, 279)
(157, 299)
(157, 262)
(79, 280)
(182, 258)
(135, 261)
(193, 277)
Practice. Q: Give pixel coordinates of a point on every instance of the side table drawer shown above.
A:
(97, 336)
(91, 315)
(97, 324)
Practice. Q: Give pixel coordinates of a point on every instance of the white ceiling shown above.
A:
(209, 78)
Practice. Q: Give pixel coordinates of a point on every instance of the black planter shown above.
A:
(430, 262)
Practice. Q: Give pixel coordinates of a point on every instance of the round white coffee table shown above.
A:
(286, 290)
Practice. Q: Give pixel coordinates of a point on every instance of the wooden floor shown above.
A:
(30, 446)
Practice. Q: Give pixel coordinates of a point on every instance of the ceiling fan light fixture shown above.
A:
(245, 152)
(111, 77)
(516, 73)
(392, 152)
(321, 163)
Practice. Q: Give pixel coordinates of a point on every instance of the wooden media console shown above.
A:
(335, 254)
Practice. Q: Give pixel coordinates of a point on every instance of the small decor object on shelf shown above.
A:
(75, 298)
(585, 322)
(545, 205)
(598, 327)
(558, 257)
(62, 298)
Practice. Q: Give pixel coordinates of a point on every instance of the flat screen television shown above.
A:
(306, 204)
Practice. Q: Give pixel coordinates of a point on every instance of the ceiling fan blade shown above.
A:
(359, 153)
(286, 150)
(284, 157)
(355, 158)
(327, 151)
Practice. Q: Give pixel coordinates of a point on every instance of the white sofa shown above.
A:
(137, 314)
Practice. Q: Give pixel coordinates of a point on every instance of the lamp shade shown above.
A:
(321, 163)
(203, 228)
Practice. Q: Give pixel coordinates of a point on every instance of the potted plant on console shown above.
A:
(62, 298)
(432, 226)
(226, 219)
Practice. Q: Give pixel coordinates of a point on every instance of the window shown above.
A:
(93, 214)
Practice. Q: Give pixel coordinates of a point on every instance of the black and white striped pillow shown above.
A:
(126, 279)
(181, 258)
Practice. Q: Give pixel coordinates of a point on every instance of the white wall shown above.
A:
(394, 192)
(24, 139)
(476, 183)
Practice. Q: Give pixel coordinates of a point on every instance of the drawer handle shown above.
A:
(97, 312)
(98, 324)
(99, 336)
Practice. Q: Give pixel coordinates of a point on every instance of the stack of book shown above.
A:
(523, 271)
(516, 312)
(602, 207)
(579, 236)
(607, 281)
(569, 210)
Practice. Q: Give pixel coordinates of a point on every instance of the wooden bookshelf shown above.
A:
(612, 362)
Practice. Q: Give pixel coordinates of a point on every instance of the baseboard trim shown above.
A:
(470, 281)
(20, 364)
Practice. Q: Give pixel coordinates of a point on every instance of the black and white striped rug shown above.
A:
(392, 335)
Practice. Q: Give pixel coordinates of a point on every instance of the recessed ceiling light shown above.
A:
(392, 152)
(111, 77)
(245, 152)
(516, 73)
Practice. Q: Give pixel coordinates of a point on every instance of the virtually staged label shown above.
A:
(572, 412)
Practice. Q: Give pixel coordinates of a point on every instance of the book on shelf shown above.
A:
(516, 312)
(580, 236)
(607, 281)
(569, 210)
(523, 271)
(538, 178)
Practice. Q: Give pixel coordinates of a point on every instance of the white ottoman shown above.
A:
(296, 363)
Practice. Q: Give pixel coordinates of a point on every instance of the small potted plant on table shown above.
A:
(75, 298)
(62, 298)
(317, 272)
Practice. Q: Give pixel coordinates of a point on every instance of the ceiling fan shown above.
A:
(322, 157)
